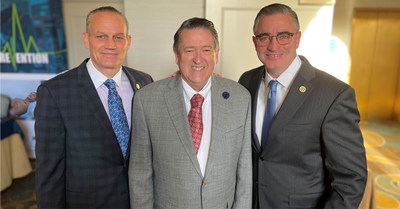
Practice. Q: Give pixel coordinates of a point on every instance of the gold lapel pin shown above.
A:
(137, 86)
(302, 89)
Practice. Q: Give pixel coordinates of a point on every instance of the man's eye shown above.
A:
(284, 36)
(119, 37)
(101, 36)
(264, 38)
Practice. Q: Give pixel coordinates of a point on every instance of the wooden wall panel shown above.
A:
(361, 52)
(385, 67)
(375, 52)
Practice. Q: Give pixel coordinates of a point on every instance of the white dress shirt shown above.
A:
(284, 82)
(123, 86)
(188, 92)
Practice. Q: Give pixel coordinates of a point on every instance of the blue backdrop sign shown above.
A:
(32, 37)
(32, 50)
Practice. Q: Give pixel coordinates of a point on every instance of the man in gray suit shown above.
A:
(313, 154)
(192, 155)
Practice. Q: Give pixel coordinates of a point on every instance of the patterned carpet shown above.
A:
(382, 143)
(21, 193)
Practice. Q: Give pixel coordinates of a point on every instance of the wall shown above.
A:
(234, 22)
(152, 26)
(342, 28)
(343, 17)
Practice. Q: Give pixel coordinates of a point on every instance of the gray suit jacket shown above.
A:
(164, 171)
(314, 156)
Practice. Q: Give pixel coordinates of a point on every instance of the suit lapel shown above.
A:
(253, 89)
(293, 101)
(220, 111)
(94, 104)
(135, 84)
(176, 107)
(89, 94)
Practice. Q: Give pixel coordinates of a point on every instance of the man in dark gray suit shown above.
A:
(79, 160)
(187, 155)
(313, 154)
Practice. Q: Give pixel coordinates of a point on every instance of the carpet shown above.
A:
(21, 193)
(382, 145)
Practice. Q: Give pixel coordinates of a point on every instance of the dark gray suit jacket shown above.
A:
(314, 156)
(79, 163)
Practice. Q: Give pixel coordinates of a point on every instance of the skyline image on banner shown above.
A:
(32, 37)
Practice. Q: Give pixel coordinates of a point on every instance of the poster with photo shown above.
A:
(33, 50)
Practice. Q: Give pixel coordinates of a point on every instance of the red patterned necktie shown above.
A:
(195, 120)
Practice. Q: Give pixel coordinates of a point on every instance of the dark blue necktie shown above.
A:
(118, 118)
(269, 111)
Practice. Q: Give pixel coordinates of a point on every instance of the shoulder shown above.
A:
(158, 87)
(252, 76)
(250, 73)
(67, 77)
(138, 75)
(321, 79)
(227, 85)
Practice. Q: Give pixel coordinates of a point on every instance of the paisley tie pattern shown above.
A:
(195, 120)
(118, 118)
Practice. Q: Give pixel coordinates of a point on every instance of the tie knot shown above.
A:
(110, 83)
(196, 100)
(273, 84)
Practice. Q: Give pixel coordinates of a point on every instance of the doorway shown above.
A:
(375, 64)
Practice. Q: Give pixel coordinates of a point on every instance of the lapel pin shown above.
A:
(302, 89)
(137, 86)
(225, 95)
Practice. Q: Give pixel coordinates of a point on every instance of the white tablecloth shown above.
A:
(14, 160)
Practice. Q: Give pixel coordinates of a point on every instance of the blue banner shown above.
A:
(32, 37)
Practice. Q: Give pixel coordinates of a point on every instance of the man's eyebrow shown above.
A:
(268, 34)
(283, 32)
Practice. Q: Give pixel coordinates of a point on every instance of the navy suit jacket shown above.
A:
(314, 156)
(79, 163)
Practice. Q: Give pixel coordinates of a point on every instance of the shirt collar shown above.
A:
(189, 91)
(288, 75)
(99, 78)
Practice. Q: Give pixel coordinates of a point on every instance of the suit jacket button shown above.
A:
(261, 158)
(204, 185)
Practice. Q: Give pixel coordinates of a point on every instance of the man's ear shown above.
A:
(85, 37)
(176, 57)
(254, 41)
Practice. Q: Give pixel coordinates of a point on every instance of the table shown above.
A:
(14, 159)
(369, 200)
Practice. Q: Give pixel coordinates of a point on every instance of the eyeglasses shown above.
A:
(282, 38)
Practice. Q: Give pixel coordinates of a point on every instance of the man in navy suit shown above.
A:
(313, 154)
(79, 161)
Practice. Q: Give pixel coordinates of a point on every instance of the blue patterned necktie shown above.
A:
(269, 111)
(118, 118)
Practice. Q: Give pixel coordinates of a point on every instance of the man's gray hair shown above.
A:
(273, 9)
(105, 9)
(193, 23)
